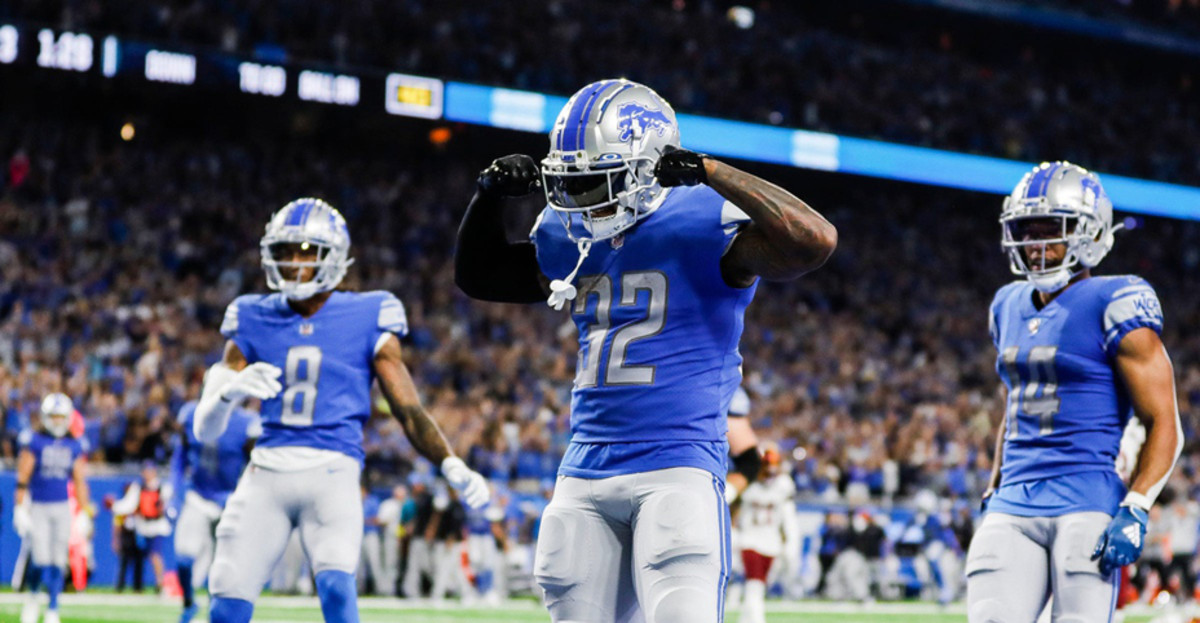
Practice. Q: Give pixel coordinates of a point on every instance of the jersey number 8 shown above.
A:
(302, 373)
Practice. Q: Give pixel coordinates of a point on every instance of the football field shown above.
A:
(108, 608)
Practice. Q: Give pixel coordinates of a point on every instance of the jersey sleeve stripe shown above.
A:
(1142, 304)
(1131, 289)
(392, 317)
(229, 325)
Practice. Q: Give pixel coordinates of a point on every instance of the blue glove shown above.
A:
(1121, 543)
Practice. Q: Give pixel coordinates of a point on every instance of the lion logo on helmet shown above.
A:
(635, 120)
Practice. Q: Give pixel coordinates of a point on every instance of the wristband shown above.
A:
(1135, 499)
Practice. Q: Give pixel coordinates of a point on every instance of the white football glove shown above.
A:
(257, 380)
(22, 520)
(471, 486)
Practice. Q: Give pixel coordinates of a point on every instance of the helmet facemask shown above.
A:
(1070, 209)
(322, 237)
(608, 197)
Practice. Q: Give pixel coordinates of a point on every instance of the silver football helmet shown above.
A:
(1072, 196)
(603, 149)
(55, 414)
(307, 222)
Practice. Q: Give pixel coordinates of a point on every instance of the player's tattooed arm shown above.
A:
(401, 394)
(1146, 370)
(786, 237)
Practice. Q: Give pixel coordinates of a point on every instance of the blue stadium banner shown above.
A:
(535, 112)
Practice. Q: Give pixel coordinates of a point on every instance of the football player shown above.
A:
(767, 520)
(668, 246)
(1078, 354)
(310, 354)
(48, 459)
(204, 475)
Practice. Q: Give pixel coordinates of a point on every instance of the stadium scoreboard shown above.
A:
(116, 58)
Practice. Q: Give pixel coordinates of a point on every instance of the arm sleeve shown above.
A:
(1130, 307)
(128, 503)
(489, 267)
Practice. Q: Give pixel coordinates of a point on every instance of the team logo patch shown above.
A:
(306, 329)
(1034, 325)
(635, 121)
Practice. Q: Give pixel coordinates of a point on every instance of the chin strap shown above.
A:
(561, 290)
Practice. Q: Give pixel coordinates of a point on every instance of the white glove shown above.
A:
(22, 520)
(470, 485)
(257, 380)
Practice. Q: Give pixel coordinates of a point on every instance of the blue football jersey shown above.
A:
(1067, 406)
(658, 337)
(212, 470)
(326, 361)
(54, 460)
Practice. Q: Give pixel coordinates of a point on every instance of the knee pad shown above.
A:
(684, 605)
(563, 533)
(987, 611)
(338, 595)
(680, 526)
(225, 610)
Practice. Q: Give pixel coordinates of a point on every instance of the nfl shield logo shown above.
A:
(1034, 325)
(306, 329)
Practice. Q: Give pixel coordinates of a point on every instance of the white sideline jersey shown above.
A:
(766, 505)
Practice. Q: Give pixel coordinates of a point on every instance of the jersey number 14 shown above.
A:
(1034, 392)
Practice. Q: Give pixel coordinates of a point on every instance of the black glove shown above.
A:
(515, 175)
(680, 167)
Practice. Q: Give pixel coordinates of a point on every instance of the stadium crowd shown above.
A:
(851, 73)
(874, 375)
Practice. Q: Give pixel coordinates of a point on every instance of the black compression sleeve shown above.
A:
(489, 267)
(748, 463)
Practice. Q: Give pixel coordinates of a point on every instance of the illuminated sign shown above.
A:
(413, 96)
(318, 86)
(109, 64)
(9, 37)
(170, 67)
(262, 79)
(68, 51)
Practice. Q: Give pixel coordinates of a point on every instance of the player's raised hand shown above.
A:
(22, 520)
(680, 167)
(257, 380)
(470, 485)
(1121, 543)
(514, 175)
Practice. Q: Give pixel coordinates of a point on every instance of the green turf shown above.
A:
(153, 611)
